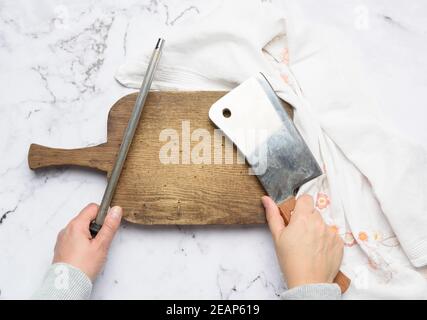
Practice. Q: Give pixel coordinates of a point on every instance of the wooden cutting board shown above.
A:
(152, 192)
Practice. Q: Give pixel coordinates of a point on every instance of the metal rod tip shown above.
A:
(159, 43)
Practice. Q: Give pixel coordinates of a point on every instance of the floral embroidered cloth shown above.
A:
(374, 188)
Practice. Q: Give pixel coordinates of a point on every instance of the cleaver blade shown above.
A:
(253, 118)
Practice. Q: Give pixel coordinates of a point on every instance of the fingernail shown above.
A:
(116, 212)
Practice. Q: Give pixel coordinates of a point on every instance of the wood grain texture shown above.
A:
(154, 193)
(286, 209)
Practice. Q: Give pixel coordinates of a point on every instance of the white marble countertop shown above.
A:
(56, 78)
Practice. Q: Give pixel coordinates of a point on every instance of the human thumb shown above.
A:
(274, 219)
(110, 226)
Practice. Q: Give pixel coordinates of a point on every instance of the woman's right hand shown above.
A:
(308, 250)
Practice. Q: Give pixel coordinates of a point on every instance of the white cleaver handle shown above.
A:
(285, 209)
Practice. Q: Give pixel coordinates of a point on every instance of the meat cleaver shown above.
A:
(252, 116)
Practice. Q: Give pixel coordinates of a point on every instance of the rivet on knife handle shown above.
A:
(127, 139)
(285, 209)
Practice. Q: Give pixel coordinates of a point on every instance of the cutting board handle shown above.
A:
(97, 157)
(286, 209)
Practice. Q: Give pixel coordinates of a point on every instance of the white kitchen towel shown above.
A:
(374, 187)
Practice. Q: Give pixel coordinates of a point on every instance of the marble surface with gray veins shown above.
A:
(57, 64)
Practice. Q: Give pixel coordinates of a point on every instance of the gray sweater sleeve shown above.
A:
(317, 291)
(64, 282)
